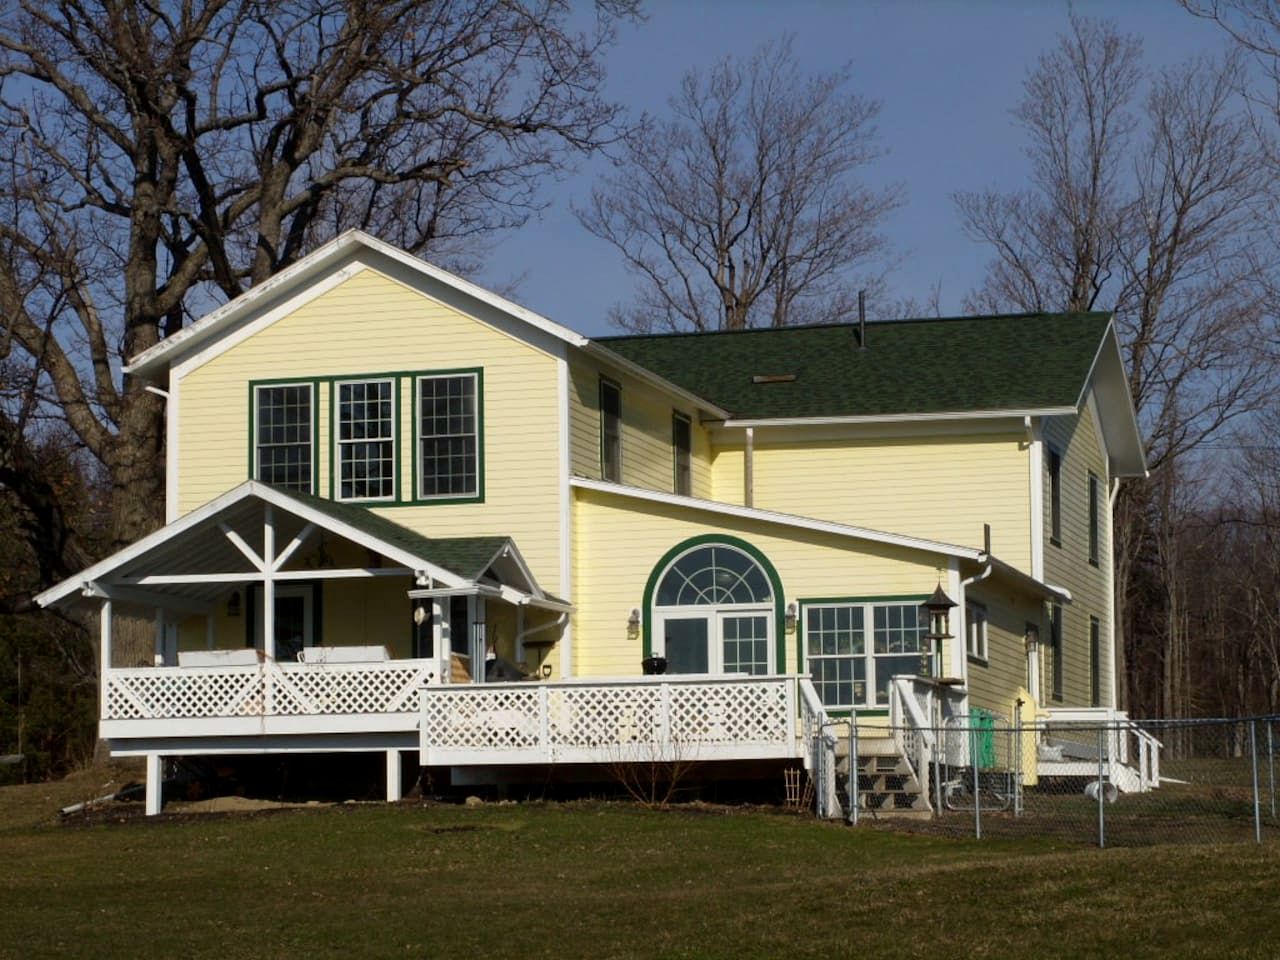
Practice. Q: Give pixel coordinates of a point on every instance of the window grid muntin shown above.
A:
(713, 575)
(835, 644)
(365, 437)
(448, 436)
(745, 643)
(896, 641)
(283, 435)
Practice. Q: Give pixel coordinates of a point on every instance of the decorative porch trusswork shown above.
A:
(616, 720)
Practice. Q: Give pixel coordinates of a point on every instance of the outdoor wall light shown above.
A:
(233, 604)
(633, 621)
(789, 621)
(546, 671)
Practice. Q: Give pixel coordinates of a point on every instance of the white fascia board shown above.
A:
(205, 513)
(601, 352)
(783, 519)
(1017, 415)
(212, 324)
(511, 551)
(1107, 380)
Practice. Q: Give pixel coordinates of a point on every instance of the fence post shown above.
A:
(1017, 760)
(1271, 766)
(1102, 817)
(853, 768)
(939, 748)
(977, 784)
(1257, 797)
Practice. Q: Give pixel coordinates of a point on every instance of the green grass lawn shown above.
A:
(602, 880)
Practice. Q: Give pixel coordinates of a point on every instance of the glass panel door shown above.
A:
(685, 644)
(291, 627)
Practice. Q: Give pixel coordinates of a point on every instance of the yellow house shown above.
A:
(408, 516)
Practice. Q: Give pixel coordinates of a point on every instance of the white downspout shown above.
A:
(748, 468)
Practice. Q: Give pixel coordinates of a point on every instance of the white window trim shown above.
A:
(418, 437)
(868, 655)
(338, 443)
(677, 416)
(976, 640)
(714, 614)
(256, 473)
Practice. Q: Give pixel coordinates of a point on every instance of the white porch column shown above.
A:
(268, 583)
(393, 776)
(440, 640)
(155, 784)
(159, 641)
(104, 633)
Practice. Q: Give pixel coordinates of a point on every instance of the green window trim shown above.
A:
(336, 442)
(313, 385)
(712, 539)
(476, 496)
(402, 411)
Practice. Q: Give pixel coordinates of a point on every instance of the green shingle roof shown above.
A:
(468, 557)
(1006, 362)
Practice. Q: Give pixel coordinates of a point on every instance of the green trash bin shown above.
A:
(982, 737)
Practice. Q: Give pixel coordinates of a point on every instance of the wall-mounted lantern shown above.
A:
(233, 604)
(792, 615)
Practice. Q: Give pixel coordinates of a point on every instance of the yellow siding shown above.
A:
(996, 684)
(618, 541)
(647, 456)
(942, 488)
(372, 324)
(1067, 564)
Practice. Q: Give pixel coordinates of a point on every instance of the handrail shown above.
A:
(820, 753)
(912, 731)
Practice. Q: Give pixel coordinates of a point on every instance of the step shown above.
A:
(868, 747)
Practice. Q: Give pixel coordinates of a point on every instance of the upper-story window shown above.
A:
(1095, 520)
(1055, 498)
(610, 431)
(365, 431)
(681, 453)
(448, 436)
(283, 441)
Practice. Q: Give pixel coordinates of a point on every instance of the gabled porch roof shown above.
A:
(189, 563)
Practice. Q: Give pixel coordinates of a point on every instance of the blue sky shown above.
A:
(946, 71)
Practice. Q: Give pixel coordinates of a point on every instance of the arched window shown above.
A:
(713, 612)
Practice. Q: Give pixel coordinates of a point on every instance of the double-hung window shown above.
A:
(975, 620)
(1055, 498)
(1095, 520)
(283, 442)
(610, 431)
(365, 439)
(448, 436)
(681, 452)
(850, 664)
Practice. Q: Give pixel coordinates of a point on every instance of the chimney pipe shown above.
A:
(862, 319)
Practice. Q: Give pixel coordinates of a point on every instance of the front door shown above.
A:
(294, 621)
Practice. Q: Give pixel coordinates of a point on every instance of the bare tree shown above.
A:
(743, 207)
(1155, 207)
(157, 158)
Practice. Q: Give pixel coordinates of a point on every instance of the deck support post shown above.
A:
(104, 668)
(155, 784)
(394, 787)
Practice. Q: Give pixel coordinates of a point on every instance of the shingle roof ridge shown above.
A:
(845, 325)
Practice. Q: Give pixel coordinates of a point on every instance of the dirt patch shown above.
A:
(235, 804)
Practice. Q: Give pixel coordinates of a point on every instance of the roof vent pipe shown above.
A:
(862, 319)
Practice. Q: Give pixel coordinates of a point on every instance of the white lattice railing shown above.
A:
(602, 721)
(265, 689)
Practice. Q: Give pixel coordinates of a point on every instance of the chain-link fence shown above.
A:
(1113, 783)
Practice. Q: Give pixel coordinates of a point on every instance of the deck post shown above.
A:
(268, 583)
(159, 637)
(394, 786)
(155, 784)
(104, 670)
